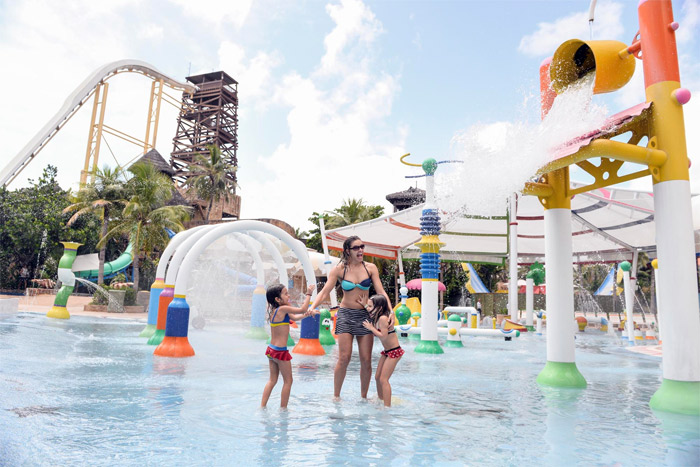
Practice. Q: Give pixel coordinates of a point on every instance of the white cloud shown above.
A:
(255, 72)
(354, 23)
(689, 22)
(217, 12)
(339, 147)
(151, 32)
(548, 36)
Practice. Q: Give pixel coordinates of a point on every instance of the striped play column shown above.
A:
(67, 278)
(429, 264)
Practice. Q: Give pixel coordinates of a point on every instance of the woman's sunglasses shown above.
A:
(357, 247)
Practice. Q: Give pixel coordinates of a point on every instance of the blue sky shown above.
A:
(331, 92)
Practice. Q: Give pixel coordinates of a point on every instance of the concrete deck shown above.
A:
(43, 303)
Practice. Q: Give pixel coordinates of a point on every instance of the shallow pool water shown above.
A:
(89, 391)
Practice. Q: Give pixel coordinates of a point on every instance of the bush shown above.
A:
(98, 298)
(130, 297)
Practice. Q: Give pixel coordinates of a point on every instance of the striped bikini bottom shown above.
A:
(349, 321)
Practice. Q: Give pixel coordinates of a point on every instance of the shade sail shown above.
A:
(607, 225)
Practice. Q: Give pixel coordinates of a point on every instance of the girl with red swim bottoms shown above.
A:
(379, 311)
(279, 312)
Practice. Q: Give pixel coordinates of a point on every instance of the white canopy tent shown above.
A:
(608, 224)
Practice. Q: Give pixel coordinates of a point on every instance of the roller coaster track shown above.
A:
(74, 102)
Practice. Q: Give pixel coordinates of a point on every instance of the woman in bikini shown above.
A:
(355, 278)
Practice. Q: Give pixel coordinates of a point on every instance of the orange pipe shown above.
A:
(658, 39)
(547, 93)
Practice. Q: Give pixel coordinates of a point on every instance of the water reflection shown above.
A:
(275, 447)
(682, 436)
(561, 421)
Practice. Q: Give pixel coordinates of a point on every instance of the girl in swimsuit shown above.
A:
(355, 278)
(379, 310)
(279, 311)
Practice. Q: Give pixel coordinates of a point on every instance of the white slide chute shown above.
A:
(74, 102)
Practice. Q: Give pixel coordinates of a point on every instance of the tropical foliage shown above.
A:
(211, 178)
(351, 212)
(104, 196)
(146, 215)
(32, 225)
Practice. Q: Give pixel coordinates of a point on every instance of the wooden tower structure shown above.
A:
(209, 116)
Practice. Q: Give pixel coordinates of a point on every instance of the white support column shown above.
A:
(327, 259)
(629, 305)
(529, 301)
(677, 285)
(513, 260)
(402, 276)
(561, 367)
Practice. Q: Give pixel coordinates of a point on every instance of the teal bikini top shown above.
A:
(348, 286)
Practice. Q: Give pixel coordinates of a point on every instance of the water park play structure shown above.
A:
(658, 122)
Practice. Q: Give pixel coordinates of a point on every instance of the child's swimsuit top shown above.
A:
(348, 286)
(284, 322)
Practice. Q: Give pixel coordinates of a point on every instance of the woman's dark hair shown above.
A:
(346, 246)
(381, 307)
(272, 293)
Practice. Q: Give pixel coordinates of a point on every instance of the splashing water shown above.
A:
(500, 158)
(115, 305)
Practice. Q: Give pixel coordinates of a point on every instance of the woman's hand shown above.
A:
(310, 289)
(367, 325)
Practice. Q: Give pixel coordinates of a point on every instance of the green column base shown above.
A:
(530, 328)
(257, 333)
(414, 337)
(326, 339)
(60, 312)
(681, 397)
(450, 343)
(429, 347)
(157, 337)
(561, 374)
(148, 331)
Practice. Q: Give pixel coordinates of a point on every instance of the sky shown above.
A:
(331, 93)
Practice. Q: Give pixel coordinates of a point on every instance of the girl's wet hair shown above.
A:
(381, 307)
(272, 293)
(346, 246)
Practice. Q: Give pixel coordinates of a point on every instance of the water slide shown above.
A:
(111, 268)
(474, 284)
(74, 102)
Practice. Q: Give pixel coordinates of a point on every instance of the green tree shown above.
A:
(146, 216)
(104, 195)
(351, 212)
(32, 226)
(212, 178)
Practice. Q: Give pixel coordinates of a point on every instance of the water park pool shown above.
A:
(89, 391)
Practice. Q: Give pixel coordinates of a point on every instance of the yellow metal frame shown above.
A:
(95, 135)
(97, 126)
(153, 115)
(612, 155)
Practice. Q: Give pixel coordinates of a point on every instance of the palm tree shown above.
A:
(351, 212)
(104, 195)
(211, 179)
(146, 216)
